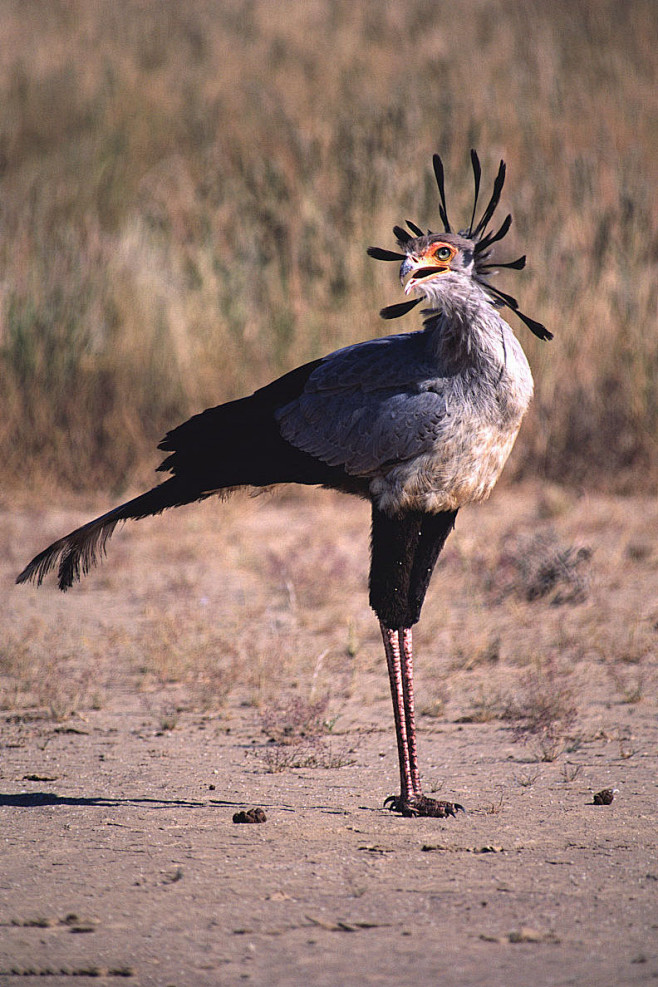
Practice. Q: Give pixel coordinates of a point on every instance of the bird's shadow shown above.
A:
(32, 800)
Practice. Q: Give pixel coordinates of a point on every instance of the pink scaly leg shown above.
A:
(409, 708)
(392, 648)
(410, 801)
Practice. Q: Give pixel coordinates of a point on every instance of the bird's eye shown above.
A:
(443, 253)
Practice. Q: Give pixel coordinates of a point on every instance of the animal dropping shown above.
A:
(419, 424)
(605, 797)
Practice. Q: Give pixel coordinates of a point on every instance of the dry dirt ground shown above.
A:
(224, 657)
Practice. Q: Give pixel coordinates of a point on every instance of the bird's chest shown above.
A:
(466, 456)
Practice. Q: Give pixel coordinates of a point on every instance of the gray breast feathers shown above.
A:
(369, 406)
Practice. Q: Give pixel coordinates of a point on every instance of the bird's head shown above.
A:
(437, 262)
(430, 258)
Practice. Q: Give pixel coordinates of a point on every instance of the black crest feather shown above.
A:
(483, 241)
(380, 253)
(477, 174)
(440, 181)
(513, 265)
(487, 241)
(493, 203)
(401, 235)
(414, 229)
(395, 311)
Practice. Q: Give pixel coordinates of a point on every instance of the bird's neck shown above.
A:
(467, 331)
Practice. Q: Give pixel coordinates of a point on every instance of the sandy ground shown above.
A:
(145, 707)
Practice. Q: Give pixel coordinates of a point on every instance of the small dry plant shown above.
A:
(570, 772)
(435, 706)
(630, 683)
(168, 718)
(297, 730)
(485, 707)
(496, 807)
(538, 566)
(311, 753)
(544, 710)
(526, 779)
(295, 719)
(627, 746)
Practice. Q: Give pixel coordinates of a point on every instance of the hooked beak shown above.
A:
(405, 267)
(420, 269)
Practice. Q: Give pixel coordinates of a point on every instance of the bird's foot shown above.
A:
(420, 805)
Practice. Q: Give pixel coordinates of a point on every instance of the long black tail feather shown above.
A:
(77, 552)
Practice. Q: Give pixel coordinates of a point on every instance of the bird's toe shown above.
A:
(421, 805)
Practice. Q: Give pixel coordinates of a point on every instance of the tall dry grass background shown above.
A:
(187, 192)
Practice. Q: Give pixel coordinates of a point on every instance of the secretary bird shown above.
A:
(419, 424)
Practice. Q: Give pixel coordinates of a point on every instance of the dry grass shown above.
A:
(190, 615)
(188, 192)
(544, 709)
(538, 566)
(298, 733)
(35, 675)
(288, 721)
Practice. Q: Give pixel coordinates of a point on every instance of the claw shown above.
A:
(420, 805)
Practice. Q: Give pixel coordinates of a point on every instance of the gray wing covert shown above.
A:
(369, 406)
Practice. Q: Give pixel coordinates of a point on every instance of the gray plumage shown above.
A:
(430, 417)
(369, 406)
